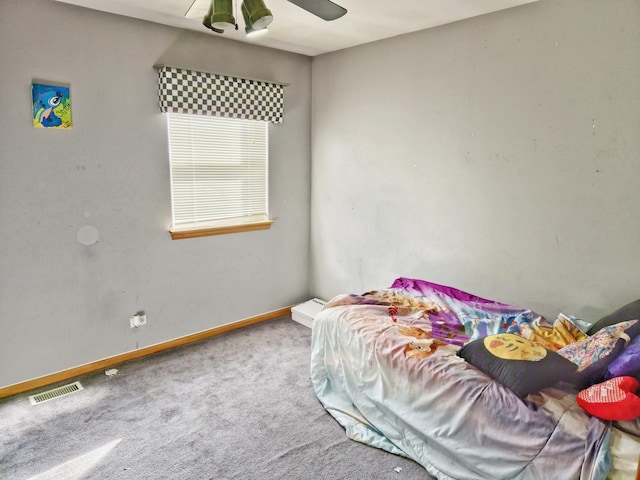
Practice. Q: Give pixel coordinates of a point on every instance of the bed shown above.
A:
(401, 369)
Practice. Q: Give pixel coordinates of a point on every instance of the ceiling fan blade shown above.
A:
(325, 9)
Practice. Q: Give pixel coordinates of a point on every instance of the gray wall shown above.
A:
(500, 155)
(63, 304)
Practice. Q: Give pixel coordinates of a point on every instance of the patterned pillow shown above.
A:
(517, 363)
(614, 399)
(595, 353)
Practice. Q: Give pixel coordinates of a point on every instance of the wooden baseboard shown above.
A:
(135, 354)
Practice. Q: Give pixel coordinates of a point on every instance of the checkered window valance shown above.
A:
(202, 93)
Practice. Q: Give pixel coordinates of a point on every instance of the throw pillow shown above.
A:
(517, 363)
(628, 362)
(630, 311)
(614, 399)
(593, 354)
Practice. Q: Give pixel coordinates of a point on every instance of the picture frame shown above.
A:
(51, 106)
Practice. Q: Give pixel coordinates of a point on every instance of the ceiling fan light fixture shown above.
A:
(222, 15)
(256, 15)
(206, 21)
(248, 26)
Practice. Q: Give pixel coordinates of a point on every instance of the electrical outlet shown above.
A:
(138, 319)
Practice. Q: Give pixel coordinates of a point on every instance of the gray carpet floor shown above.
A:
(235, 406)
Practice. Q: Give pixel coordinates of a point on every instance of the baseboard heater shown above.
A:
(304, 313)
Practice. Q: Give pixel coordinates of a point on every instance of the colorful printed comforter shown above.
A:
(384, 366)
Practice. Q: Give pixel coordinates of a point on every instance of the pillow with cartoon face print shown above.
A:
(517, 363)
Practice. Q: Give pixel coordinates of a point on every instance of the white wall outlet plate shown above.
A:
(138, 319)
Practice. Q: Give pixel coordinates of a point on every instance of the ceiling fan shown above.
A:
(219, 16)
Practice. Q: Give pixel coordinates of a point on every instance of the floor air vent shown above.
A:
(55, 393)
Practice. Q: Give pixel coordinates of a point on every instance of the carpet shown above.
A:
(235, 406)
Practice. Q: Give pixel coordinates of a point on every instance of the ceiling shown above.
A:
(296, 30)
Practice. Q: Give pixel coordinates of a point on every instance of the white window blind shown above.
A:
(219, 170)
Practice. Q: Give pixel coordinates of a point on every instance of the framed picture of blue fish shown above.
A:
(51, 106)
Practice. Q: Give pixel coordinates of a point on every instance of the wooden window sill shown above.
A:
(180, 234)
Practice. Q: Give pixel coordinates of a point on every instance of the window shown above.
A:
(219, 174)
(218, 149)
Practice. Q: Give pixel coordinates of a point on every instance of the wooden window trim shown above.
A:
(181, 234)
